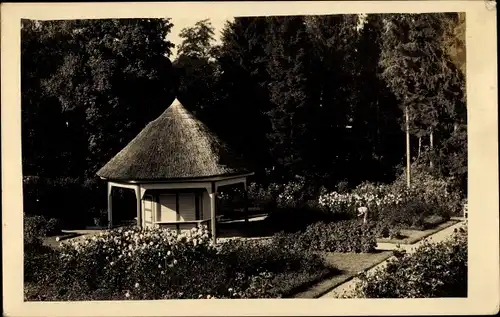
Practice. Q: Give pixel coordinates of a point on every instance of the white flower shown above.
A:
(127, 294)
(136, 285)
(362, 210)
(57, 239)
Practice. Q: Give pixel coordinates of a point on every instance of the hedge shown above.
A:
(434, 270)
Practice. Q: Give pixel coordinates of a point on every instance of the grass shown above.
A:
(349, 264)
(292, 283)
(414, 236)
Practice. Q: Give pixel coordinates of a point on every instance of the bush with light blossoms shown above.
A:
(146, 264)
(373, 197)
(120, 255)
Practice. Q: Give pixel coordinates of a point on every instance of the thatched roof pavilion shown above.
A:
(174, 156)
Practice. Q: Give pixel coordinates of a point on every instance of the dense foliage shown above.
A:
(434, 270)
(88, 87)
(341, 236)
(38, 227)
(316, 96)
(163, 264)
(314, 102)
(396, 203)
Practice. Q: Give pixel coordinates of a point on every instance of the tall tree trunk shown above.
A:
(408, 161)
(431, 140)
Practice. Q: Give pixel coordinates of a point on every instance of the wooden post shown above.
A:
(139, 213)
(110, 206)
(212, 216)
(408, 161)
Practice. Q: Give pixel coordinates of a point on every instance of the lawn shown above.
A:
(349, 264)
(410, 236)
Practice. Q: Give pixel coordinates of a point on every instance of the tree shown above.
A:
(335, 73)
(196, 67)
(376, 118)
(197, 40)
(87, 87)
(113, 78)
(419, 73)
(50, 147)
(243, 90)
(454, 39)
(291, 92)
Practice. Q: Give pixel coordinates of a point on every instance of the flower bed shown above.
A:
(162, 264)
(409, 236)
(426, 204)
(434, 270)
(341, 236)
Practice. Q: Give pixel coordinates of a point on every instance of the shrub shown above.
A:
(367, 195)
(161, 264)
(396, 204)
(34, 230)
(260, 194)
(295, 193)
(383, 229)
(434, 270)
(273, 265)
(39, 262)
(38, 227)
(341, 236)
(342, 186)
(410, 214)
(436, 192)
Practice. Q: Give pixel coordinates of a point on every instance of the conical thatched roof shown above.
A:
(175, 145)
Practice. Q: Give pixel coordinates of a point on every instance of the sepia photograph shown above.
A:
(277, 156)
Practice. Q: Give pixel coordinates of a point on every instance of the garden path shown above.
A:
(348, 286)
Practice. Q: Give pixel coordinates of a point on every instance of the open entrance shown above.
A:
(124, 206)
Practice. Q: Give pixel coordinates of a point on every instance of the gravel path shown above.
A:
(436, 237)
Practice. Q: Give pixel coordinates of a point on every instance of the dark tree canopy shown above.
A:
(321, 97)
(105, 78)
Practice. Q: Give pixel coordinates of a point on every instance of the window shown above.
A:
(177, 207)
(168, 208)
(187, 207)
